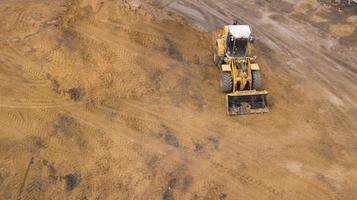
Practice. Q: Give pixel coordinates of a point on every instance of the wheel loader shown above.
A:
(240, 75)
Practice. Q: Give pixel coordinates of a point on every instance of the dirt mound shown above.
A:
(120, 100)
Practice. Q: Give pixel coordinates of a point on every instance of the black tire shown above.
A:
(226, 82)
(218, 60)
(257, 80)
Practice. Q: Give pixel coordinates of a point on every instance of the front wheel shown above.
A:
(218, 60)
(257, 80)
(226, 82)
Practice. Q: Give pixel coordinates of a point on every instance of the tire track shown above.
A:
(243, 178)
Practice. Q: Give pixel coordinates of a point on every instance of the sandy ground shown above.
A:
(119, 100)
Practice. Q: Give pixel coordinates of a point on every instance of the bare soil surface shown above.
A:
(119, 100)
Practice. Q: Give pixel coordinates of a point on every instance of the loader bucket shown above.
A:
(247, 102)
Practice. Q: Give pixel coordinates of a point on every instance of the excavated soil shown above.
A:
(119, 100)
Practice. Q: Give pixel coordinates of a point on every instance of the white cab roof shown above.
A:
(240, 31)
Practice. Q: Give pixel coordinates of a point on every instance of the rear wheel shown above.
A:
(218, 60)
(257, 80)
(226, 82)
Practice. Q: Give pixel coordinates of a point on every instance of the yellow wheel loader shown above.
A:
(240, 75)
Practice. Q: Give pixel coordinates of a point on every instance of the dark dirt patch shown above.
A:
(214, 141)
(168, 189)
(76, 94)
(67, 39)
(156, 76)
(168, 137)
(68, 127)
(350, 41)
(55, 85)
(171, 50)
(198, 147)
(38, 142)
(222, 196)
(72, 181)
(198, 197)
(85, 56)
(179, 180)
(64, 124)
(51, 171)
(152, 163)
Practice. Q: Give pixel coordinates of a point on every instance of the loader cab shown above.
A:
(238, 40)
